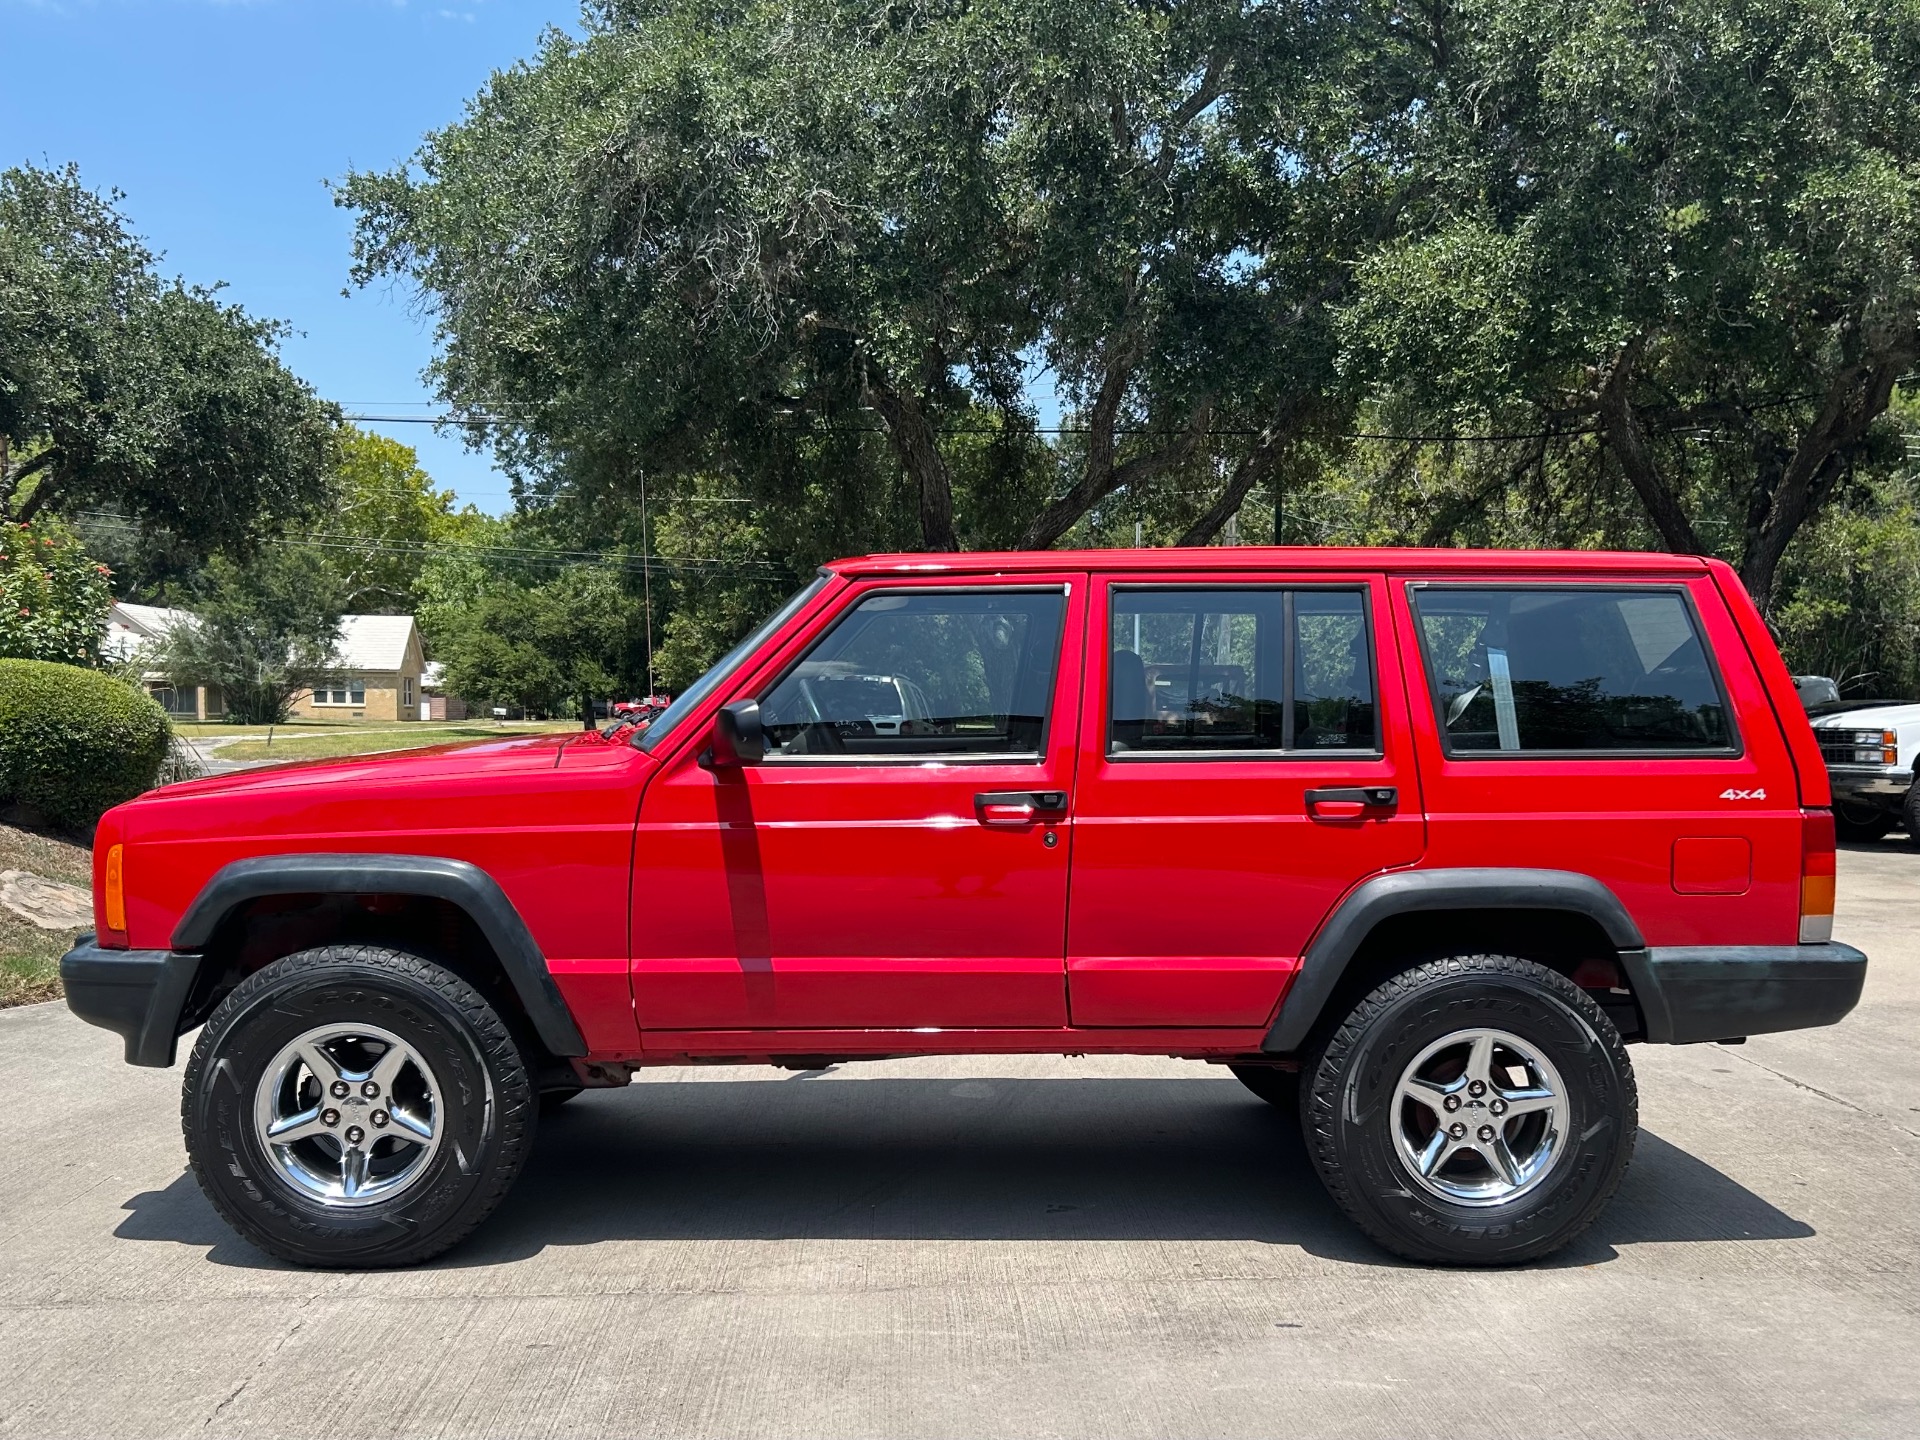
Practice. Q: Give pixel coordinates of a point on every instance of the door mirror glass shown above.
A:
(738, 737)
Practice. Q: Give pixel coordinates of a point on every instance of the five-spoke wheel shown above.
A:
(1476, 1110)
(355, 1105)
(1481, 1117)
(350, 1114)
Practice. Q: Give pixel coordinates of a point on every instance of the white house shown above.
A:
(380, 662)
(379, 659)
(131, 626)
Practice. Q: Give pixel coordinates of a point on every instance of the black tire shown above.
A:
(1350, 1115)
(485, 1106)
(1910, 816)
(552, 1100)
(1862, 822)
(1279, 1088)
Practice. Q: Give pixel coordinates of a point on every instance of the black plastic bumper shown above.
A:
(1690, 993)
(137, 994)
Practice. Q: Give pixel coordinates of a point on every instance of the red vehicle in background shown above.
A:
(1414, 841)
(638, 711)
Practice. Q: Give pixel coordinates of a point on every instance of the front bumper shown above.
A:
(1689, 993)
(137, 994)
(1869, 782)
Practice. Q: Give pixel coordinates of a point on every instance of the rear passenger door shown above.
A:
(1243, 764)
(1596, 726)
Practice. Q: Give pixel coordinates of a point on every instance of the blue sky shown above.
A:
(222, 121)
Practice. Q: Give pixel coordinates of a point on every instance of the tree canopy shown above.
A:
(1690, 230)
(840, 256)
(265, 632)
(149, 398)
(827, 248)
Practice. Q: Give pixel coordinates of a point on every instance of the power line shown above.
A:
(719, 567)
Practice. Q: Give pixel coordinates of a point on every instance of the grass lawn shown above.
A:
(303, 744)
(30, 956)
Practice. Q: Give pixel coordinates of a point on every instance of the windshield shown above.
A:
(690, 698)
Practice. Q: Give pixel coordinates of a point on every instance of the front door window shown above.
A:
(917, 675)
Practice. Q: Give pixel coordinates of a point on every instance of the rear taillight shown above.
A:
(1816, 875)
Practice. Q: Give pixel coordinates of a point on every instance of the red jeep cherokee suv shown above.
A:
(1411, 840)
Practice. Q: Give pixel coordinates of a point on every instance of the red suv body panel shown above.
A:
(1135, 900)
(1170, 923)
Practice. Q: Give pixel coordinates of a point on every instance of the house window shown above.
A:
(342, 692)
(181, 704)
(406, 690)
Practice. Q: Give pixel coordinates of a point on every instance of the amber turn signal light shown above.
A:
(116, 890)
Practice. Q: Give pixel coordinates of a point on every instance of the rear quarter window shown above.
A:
(1582, 670)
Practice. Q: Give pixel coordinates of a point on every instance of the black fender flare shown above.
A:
(458, 882)
(1403, 891)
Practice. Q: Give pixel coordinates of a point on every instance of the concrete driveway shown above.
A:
(994, 1247)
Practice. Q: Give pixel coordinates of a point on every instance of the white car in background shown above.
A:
(1869, 747)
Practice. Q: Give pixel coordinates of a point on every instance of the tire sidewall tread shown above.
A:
(1353, 1076)
(487, 1101)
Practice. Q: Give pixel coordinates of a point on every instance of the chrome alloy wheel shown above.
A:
(350, 1114)
(1479, 1117)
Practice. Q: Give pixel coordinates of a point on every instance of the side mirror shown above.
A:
(738, 738)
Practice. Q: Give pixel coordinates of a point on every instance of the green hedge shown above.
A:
(75, 742)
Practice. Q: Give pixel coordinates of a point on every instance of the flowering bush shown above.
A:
(53, 597)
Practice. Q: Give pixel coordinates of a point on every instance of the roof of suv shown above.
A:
(1277, 557)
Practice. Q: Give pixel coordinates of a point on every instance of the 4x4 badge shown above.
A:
(1743, 794)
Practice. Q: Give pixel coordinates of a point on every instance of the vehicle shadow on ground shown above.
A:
(947, 1159)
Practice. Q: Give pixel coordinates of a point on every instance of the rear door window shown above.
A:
(1536, 669)
(1239, 670)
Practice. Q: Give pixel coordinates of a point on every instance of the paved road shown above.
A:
(994, 1247)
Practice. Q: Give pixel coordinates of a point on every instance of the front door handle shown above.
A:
(1018, 807)
(1351, 802)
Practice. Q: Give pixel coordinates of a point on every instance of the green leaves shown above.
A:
(123, 390)
(53, 596)
(265, 632)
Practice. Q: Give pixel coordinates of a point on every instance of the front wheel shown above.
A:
(356, 1106)
(1478, 1110)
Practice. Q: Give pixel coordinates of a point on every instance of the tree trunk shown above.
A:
(1856, 398)
(1620, 425)
(919, 451)
(1253, 468)
(1103, 476)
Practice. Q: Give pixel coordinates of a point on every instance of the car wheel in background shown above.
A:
(1476, 1110)
(1862, 822)
(356, 1106)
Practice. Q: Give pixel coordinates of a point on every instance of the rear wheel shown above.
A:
(1862, 822)
(356, 1106)
(1478, 1110)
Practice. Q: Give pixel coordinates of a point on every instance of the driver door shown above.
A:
(899, 858)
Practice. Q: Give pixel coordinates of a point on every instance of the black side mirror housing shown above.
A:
(738, 738)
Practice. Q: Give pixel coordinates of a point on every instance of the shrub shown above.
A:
(75, 742)
(53, 596)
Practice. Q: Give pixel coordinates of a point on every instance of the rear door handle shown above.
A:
(1351, 802)
(1018, 807)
